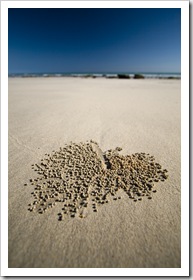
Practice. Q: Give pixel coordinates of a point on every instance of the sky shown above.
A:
(84, 40)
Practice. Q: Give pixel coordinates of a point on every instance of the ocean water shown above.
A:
(146, 75)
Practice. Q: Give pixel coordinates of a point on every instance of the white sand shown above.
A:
(137, 115)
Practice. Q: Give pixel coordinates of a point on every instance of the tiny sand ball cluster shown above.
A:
(81, 175)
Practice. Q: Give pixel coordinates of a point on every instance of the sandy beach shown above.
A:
(140, 116)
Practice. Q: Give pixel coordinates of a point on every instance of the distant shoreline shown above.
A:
(169, 76)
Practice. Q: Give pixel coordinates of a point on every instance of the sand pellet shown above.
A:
(81, 175)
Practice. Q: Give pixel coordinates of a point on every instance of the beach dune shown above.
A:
(140, 116)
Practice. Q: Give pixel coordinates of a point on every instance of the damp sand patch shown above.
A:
(81, 175)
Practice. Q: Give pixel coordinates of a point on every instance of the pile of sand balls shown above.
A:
(79, 175)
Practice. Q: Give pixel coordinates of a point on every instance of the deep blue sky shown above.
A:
(94, 40)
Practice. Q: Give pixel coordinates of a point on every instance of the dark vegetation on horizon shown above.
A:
(138, 76)
(123, 76)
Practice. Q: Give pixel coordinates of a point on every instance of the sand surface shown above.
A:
(137, 115)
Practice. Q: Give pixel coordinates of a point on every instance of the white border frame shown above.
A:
(184, 270)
